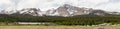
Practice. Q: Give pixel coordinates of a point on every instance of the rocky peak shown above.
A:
(65, 10)
(69, 10)
(31, 11)
(67, 6)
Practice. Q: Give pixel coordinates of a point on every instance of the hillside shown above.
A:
(75, 20)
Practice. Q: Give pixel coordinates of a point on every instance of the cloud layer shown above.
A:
(108, 5)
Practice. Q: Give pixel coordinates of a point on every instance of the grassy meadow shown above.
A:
(60, 27)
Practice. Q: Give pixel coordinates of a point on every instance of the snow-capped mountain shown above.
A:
(68, 10)
(4, 11)
(65, 11)
(30, 11)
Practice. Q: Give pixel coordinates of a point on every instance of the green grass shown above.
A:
(59, 27)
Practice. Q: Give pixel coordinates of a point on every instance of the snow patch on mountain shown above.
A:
(64, 10)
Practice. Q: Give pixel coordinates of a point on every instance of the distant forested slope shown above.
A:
(74, 20)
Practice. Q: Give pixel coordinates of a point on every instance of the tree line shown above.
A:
(74, 20)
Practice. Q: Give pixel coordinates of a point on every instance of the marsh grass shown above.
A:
(60, 27)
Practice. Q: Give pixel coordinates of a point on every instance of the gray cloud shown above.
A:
(114, 1)
(108, 5)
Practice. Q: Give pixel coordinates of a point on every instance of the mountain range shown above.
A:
(65, 10)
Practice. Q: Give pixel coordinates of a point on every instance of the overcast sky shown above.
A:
(108, 5)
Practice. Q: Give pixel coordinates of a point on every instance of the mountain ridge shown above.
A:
(65, 10)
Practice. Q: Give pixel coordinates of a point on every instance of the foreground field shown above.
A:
(59, 27)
